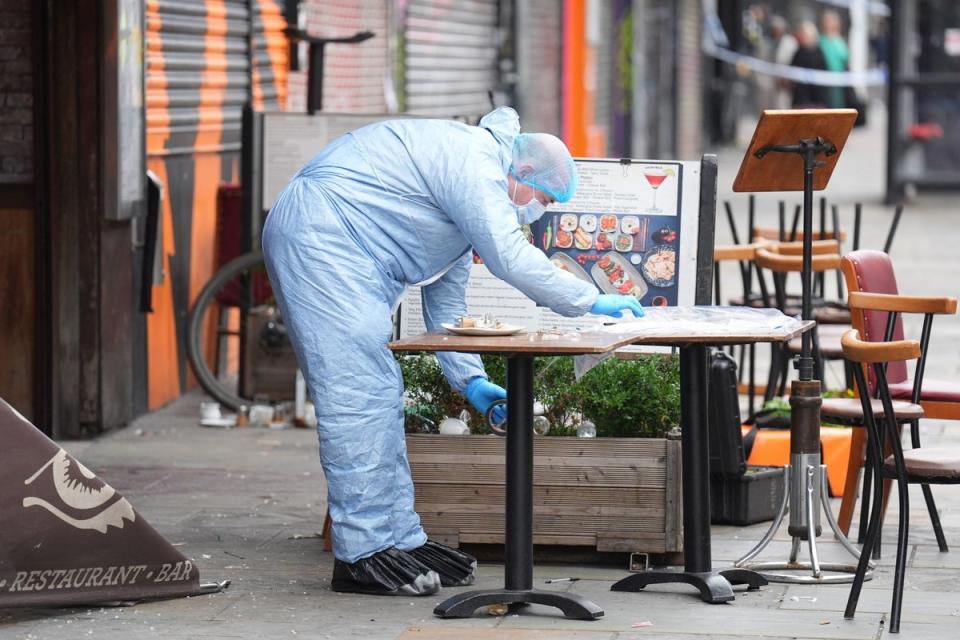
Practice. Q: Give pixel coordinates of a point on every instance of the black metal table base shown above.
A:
(715, 588)
(463, 605)
(518, 535)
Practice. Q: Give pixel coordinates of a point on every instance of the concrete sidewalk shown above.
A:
(246, 505)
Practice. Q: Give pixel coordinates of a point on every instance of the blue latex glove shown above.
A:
(612, 305)
(482, 393)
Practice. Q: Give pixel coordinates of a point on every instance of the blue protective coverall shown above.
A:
(389, 204)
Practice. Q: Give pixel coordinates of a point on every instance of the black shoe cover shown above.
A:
(456, 568)
(390, 572)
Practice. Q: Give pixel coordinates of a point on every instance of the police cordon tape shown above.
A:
(870, 77)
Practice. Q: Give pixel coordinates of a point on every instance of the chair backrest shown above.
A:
(743, 255)
(784, 258)
(773, 233)
(872, 272)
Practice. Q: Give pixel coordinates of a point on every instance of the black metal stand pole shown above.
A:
(518, 535)
(805, 472)
(315, 77)
(809, 149)
(714, 588)
(315, 68)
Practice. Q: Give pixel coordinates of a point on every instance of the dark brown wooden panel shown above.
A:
(17, 309)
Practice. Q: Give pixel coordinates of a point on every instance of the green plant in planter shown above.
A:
(623, 398)
(428, 392)
(633, 398)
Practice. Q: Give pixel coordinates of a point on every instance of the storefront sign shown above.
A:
(68, 538)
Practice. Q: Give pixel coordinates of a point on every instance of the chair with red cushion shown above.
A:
(876, 313)
(919, 465)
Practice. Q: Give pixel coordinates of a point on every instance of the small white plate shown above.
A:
(220, 423)
(504, 330)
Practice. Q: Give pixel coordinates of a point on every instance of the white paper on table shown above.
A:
(732, 321)
(693, 321)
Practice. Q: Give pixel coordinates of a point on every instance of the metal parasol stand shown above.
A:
(805, 475)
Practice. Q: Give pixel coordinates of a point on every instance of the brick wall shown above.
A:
(16, 92)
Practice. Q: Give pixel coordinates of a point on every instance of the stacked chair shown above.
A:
(781, 259)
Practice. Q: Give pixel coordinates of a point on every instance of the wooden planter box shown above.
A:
(611, 494)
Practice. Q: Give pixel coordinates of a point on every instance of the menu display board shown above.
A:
(631, 228)
(621, 231)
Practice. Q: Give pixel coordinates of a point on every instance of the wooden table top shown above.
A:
(585, 342)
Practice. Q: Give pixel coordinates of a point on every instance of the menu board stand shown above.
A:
(783, 156)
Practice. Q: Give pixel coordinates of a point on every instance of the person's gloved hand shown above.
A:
(482, 393)
(612, 305)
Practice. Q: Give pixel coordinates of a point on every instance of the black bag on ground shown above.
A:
(740, 494)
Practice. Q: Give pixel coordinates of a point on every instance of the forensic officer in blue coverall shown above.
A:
(395, 203)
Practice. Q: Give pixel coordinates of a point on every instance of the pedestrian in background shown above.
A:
(836, 56)
(784, 48)
(808, 56)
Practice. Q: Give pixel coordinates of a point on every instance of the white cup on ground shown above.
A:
(210, 410)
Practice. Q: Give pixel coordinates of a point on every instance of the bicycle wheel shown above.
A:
(221, 308)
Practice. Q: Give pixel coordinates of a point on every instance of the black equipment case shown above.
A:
(739, 494)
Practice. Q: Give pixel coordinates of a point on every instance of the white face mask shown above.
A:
(530, 212)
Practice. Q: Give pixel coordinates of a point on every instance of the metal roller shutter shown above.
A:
(355, 75)
(269, 52)
(539, 31)
(197, 73)
(450, 49)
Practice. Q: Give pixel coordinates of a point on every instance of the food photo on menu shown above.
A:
(632, 252)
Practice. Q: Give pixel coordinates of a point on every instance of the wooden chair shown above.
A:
(876, 313)
(743, 255)
(925, 466)
(782, 259)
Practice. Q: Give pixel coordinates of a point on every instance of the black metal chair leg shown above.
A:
(772, 376)
(784, 372)
(928, 493)
(878, 545)
(901, 567)
(847, 375)
(870, 539)
(865, 503)
(934, 517)
(741, 362)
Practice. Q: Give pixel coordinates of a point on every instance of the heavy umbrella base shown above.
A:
(774, 571)
(463, 605)
(715, 588)
(843, 573)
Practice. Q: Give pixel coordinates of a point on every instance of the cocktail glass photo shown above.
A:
(655, 177)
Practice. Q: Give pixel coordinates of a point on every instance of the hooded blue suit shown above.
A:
(394, 203)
